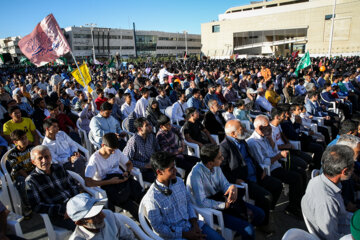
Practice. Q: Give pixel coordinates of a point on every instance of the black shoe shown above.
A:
(290, 210)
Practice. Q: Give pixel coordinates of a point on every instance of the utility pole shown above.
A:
(332, 29)
(186, 46)
(92, 25)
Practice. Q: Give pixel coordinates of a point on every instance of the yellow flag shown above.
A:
(86, 74)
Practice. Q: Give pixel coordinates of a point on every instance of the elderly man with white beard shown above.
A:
(239, 166)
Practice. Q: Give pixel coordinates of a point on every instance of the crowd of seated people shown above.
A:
(222, 123)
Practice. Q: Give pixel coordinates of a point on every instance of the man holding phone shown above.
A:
(105, 170)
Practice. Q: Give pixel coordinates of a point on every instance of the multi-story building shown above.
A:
(280, 27)
(111, 41)
(9, 49)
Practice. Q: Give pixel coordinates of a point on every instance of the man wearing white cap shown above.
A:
(94, 222)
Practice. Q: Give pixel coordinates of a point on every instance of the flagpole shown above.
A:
(79, 69)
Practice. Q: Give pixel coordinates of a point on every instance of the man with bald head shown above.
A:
(264, 150)
(49, 187)
(239, 166)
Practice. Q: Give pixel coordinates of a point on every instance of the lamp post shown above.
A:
(92, 25)
(332, 29)
(186, 46)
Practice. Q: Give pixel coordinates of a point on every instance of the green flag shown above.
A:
(1, 59)
(303, 63)
(112, 63)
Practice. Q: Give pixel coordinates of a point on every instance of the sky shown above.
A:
(19, 17)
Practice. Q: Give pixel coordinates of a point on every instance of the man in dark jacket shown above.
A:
(213, 120)
(239, 166)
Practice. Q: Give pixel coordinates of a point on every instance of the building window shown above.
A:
(215, 28)
(127, 47)
(127, 37)
(329, 16)
(165, 47)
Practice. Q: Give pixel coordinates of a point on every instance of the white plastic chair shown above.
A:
(193, 148)
(333, 107)
(83, 135)
(13, 192)
(58, 233)
(144, 224)
(54, 232)
(208, 214)
(123, 127)
(295, 144)
(96, 192)
(13, 219)
(298, 234)
(216, 138)
(133, 226)
(308, 226)
(94, 144)
(40, 136)
(168, 113)
(314, 173)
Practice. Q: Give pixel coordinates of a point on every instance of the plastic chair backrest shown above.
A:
(168, 112)
(4, 193)
(92, 141)
(124, 124)
(308, 226)
(13, 192)
(144, 224)
(295, 234)
(133, 226)
(314, 173)
(83, 134)
(96, 192)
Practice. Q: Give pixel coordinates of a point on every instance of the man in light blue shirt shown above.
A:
(194, 101)
(105, 123)
(168, 204)
(209, 187)
(322, 204)
(264, 150)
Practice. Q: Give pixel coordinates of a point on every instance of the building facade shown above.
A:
(10, 50)
(124, 42)
(280, 27)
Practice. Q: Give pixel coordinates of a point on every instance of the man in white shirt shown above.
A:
(105, 169)
(264, 150)
(63, 149)
(128, 106)
(164, 74)
(109, 89)
(261, 101)
(142, 103)
(178, 109)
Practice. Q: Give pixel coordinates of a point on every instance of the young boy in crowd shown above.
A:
(100, 99)
(19, 165)
(228, 114)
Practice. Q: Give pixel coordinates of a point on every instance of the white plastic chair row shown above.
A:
(83, 135)
(13, 219)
